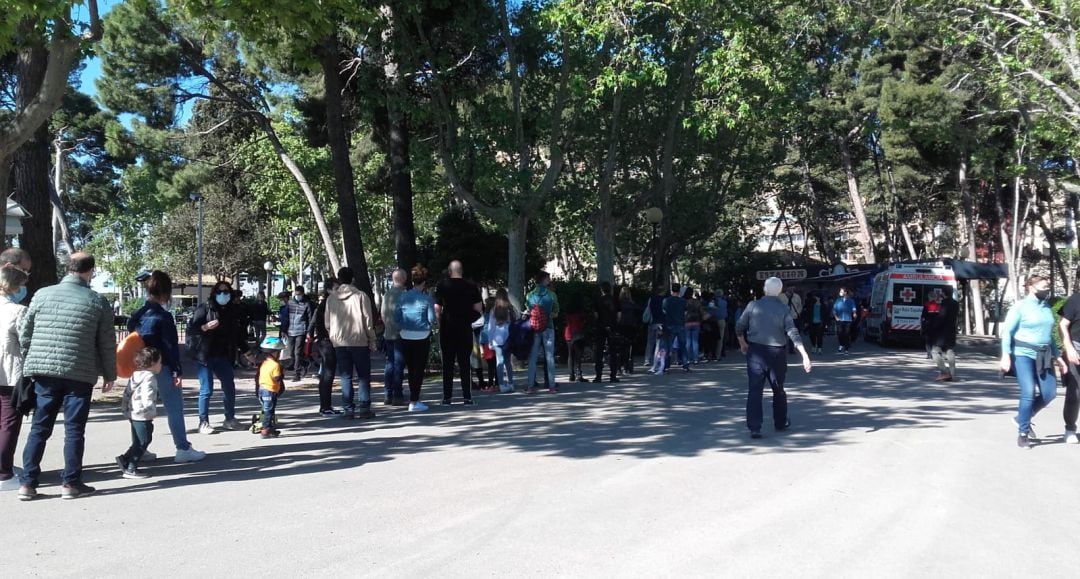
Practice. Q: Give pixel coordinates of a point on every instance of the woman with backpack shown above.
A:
(157, 329)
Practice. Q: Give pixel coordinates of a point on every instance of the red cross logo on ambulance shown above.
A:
(908, 295)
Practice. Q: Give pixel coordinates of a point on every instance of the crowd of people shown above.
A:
(53, 351)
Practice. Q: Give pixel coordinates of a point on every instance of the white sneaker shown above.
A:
(232, 424)
(205, 428)
(417, 407)
(1071, 438)
(11, 484)
(148, 456)
(189, 455)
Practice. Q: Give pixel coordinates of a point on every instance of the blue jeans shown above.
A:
(221, 367)
(173, 398)
(766, 363)
(394, 369)
(504, 369)
(677, 334)
(693, 344)
(1032, 400)
(354, 359)
(547, 340)
(268, 400)
(650, 344)
(52, 394)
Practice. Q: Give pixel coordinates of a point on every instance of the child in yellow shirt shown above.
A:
(271, 384)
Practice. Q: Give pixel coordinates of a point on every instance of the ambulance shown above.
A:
(898, 296)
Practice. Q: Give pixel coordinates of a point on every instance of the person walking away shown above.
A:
(350, 325)
(628, 324)
(394, 365)
(1070, 339)
(1028, 348)
(271, 385)
(139, 406)
(13, 287)
(487, 352)
(817, 324)
(653, 317)
(943, 346)
(214, 335)
(604, 342)
(325, 349)
(457, 303)
(68, 341)
(542, 306)
(298, 317)
(157, 328)
(794, 302)
(659, 364)
(415, 317)
(674, 307)
(844, 312)
(721, 305)
(574, 334)
(763, 331)
(476, 353)
(498, 332)
(260, 311)
(695, 315)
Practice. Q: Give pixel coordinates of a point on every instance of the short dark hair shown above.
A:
(222, 286)
(299, 289)
(13, 256)
(542, 277)
(418, 275)
(81, 263)
(675, 288)
(345, 275)
(159, 284)
(147, 357)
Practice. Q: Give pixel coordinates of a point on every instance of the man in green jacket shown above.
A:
(68, 341)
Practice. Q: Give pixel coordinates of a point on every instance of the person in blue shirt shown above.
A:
(1027, 346)
(674, 307)
(721, 316)
(415, 317)
(817, 324)
(844, 313)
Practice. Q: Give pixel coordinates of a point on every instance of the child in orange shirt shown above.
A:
(271, 384)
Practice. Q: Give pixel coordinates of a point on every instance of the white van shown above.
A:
(899, 292)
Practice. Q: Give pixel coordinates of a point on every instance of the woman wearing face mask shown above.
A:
(13, 287)
(1027, 345)
(215, 334)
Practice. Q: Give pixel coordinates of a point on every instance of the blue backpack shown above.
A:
(521, 338)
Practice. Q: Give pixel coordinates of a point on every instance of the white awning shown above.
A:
(15, 214)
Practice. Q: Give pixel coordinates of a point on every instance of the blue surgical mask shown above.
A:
(223, 298)
(18, 296)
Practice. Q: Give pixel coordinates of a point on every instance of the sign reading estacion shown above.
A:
(782, 274)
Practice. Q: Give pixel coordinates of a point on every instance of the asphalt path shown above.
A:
(884, 473)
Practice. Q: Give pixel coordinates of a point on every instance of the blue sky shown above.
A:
(93, 65)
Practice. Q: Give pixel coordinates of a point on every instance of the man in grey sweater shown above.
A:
(763, 331)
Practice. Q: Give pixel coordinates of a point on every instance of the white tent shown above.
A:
(15, 214)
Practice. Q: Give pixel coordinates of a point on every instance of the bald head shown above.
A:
(399, 277)
(81, 264)
(455, 269)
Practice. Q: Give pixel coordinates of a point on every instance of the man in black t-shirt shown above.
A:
(458, 304)
(1070, 339)
(606, 312)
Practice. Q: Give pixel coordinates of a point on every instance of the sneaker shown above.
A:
(387, 401)
(506, 390)
(269, 433)
(786, 425)
(469, 402)
(148, 456)
(10, 484)
(399, 402)
(134, 473)
(1031, 428)
(189, 455)
(840, 349)
(205, 428)
(615, 380)
(232, 424)
(596, 380)
(418, 407)
(530, 391)
(1023, 442)
(121, 463)
(686, 368)
(364, 414)
(755, 434)
(27, 493)
(76, 490)
(582, 379)
(446, 402)
(553, 390)
(1071, 438)
(329, 412)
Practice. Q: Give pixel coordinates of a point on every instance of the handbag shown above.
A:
(23, 397)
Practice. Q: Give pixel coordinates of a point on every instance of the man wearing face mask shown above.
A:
(844, 313)
(295, 325)
(215, 333)
(19, 259)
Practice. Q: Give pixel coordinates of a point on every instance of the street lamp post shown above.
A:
(197, 199)
(269, 267)
(655, 215)
(295, 231)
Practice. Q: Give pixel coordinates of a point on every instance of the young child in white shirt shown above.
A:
(140, 407)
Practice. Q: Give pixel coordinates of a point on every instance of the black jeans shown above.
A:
(296, 348)
(456, 346)
(416, 358)
(327, 371)
(843, 333)
(766, 363)
(575, 351)
(605, 339)
(626, 354)
(1072, 397)
(142, 433)
(817, 335)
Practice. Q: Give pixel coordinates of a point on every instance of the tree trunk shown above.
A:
(604, 235)
(343, 172)
(827, 249)
(866, 242)
(604, 238)
(5, 192)
(400, 170)
(61, 235)
(890, 245)
(970, 222)
(515, 275)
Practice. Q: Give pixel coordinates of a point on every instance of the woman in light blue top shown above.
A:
(498, 333)
(1027, 345)
(415, 315)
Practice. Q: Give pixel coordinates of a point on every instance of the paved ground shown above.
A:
(885, 473)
